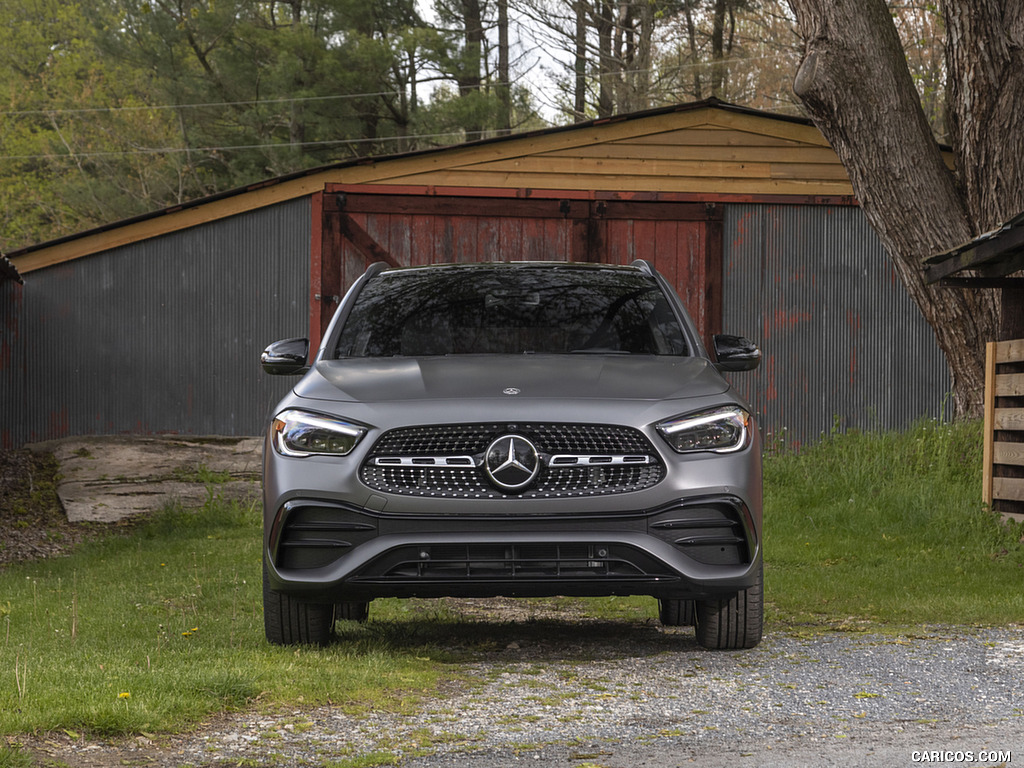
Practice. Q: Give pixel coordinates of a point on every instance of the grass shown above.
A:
(151, 632)
(888, 529)
(156, 630)
(14, 757)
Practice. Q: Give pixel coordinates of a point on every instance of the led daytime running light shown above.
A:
(721, 430)
(298, 434)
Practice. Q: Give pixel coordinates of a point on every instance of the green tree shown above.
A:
(64, 165)
(478, 94)
(118, 107)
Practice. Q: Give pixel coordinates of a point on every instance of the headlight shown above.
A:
(719, 430)
(299, 434)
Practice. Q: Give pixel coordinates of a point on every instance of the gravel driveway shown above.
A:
(588, 695)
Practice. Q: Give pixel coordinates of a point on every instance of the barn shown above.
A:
(154, 325)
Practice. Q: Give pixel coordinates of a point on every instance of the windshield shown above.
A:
(510, 309)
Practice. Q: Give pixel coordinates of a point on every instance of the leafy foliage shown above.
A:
(115, 108)
(126, 106)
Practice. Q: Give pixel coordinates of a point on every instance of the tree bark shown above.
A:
(854, 82)
(985, 59)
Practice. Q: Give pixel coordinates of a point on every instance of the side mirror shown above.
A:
(287, 357)
(735, 353)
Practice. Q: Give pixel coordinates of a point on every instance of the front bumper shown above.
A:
(330, 551)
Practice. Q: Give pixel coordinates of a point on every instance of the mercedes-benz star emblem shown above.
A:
(511, 462)
(511, 391)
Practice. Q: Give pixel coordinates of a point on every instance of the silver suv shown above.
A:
(519, 429)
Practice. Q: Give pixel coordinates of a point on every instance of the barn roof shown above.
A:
(702, 150)
(8, 271)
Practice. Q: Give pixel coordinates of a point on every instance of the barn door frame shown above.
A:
(592, 218)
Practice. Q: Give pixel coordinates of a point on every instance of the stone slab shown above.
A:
(106, 479)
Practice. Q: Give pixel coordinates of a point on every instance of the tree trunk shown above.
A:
(644, 60)
(854, 82)
(580, 66)
(985, 59)
(605, 102)
(504, 84)
(469, 77)
(691, 34)
(473, 29)
(717, 49)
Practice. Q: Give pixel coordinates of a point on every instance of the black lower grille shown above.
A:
(316, 534)
(711, 532)
(480, 562)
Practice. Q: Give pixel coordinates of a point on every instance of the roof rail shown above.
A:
(644, 265)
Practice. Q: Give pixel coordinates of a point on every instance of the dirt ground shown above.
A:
(32, 522)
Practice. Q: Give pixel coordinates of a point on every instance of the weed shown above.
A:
(369, 760)
(201, 474)
(14, 757)
(173, 616)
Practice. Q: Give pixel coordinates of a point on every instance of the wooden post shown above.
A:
(1011, 313)
(989, 433)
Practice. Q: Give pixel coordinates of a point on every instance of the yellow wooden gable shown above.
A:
(711, 150)
(695, 151)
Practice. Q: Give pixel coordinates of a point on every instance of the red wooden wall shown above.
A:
(353, 229)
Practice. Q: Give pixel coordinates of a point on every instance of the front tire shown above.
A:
(288, 621)
(352, 611)
(676, 613)
(734, 622)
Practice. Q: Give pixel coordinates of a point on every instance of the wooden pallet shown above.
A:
(1003, 471)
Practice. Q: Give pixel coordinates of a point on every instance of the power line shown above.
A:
(202, 105)
(237, 147)
(370, 94)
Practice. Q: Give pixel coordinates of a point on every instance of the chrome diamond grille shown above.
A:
(576, 460)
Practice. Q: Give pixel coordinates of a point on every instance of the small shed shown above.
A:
(155, 324)
(996, 260)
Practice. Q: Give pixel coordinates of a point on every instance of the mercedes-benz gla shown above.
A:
(512, 429)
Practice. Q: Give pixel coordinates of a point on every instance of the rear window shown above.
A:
(510, 310)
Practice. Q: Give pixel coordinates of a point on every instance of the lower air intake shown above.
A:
(478, 562)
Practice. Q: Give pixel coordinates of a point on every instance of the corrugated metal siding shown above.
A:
(165, 335)
(843, 343)
(12, 364)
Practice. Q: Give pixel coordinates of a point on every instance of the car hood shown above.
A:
(461, 377)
